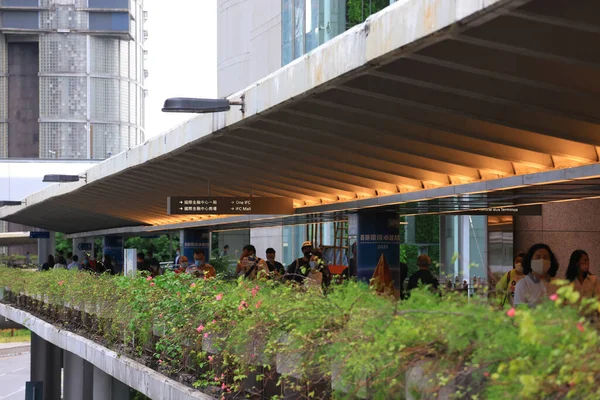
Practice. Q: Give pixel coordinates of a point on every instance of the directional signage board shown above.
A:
(39, 235)
(229, 205)
(84, 246)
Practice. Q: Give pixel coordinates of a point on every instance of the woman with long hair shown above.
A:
(539, 266)
(578, 273)
(48, 265)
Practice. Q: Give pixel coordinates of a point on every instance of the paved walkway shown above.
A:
(14, 372)
(14, 348)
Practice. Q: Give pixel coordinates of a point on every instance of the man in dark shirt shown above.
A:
(299, 269)
(274, 266)
(141, 263)
(152, 263)
(423, 275)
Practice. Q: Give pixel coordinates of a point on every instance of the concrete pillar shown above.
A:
(78, 378)
(88, 381)
(38, 358)
(87, 244)
(263, 238)
(120, 391)
(46, 366)
(53, 376)
(102, 385)
(46, 247)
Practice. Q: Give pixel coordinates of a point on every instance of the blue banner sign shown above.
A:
(113, 247)
(378, 233)
(195, 239)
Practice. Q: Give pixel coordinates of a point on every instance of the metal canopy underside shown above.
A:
(419, 97)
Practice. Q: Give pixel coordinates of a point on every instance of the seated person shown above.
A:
(182, 266)
(200, 268)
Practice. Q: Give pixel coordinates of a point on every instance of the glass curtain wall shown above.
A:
(464, 245)
(306, 24)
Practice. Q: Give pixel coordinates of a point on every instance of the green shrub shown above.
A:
(468, 346)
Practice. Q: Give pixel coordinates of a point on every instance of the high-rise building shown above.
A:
(71, 78)
(257, 37)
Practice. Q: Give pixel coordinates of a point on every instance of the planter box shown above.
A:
(420, 384)
(337, 384)
(211, 343)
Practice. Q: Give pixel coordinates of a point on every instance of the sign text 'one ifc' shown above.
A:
(191, 205)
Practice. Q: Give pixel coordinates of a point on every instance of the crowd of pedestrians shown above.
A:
(529, 282)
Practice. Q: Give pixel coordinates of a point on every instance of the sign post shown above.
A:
(191, 205)
(130, 267)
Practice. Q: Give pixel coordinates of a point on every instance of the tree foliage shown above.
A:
(357, 11)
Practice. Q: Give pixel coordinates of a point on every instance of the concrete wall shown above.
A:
(263, 238)
(249, 42)
(565, 227)
(23, 100)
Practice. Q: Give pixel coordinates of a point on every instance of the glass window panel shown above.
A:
(287, 32)
(312, 24)
(299, 27)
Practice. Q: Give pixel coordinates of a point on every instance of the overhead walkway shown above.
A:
(424, 100)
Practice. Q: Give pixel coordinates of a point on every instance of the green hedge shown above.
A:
(468, 347)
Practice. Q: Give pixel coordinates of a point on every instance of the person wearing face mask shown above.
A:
(300, 267)
(177, 256)
(539, 266)
(201, 268)
(506, 286)
(578, 273)
(314, 277)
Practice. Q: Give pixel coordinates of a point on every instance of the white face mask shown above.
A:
(540, 266)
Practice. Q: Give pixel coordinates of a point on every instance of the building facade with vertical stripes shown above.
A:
(71, 78)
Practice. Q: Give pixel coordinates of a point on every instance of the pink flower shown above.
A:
(151, 283)
(258, 304)
(216, 379)
(242, 305)
(160, 361)
(554, 297)
(206, 334)
(214, 321)
(511, 312)
(193, 285)
(486, 374)
(223, 386)
(219, 296)
(160, 315)
(61, 283)
(210, 358)
(149, 278)
(200, 328)
(255, 290)
(580, 327)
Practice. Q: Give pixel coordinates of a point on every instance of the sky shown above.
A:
(182, 57)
